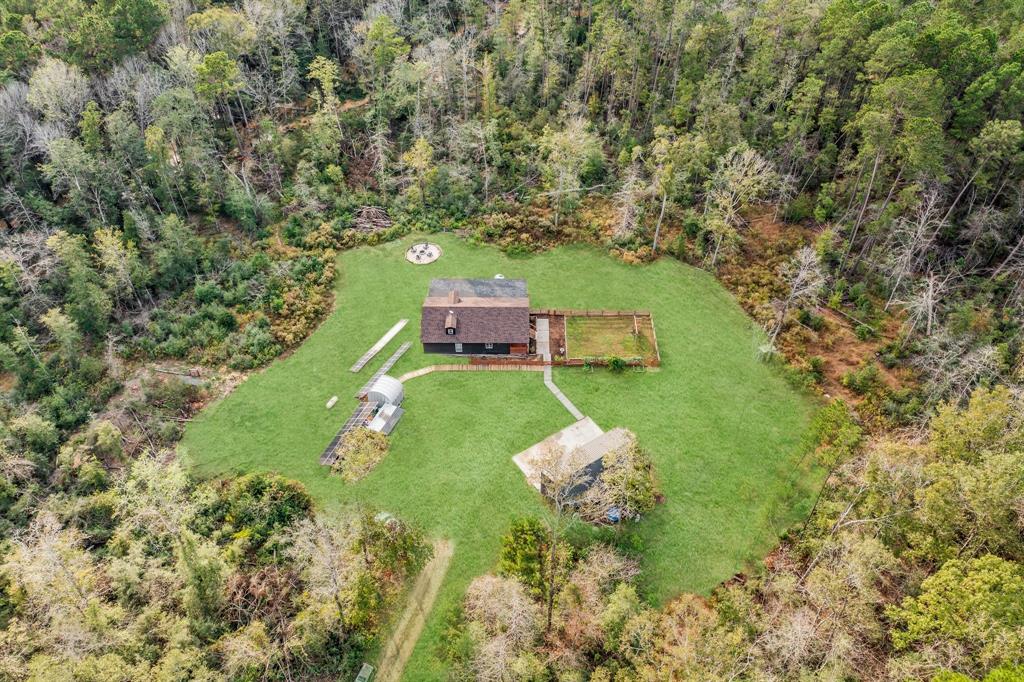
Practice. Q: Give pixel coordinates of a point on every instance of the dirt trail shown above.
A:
(421, 599)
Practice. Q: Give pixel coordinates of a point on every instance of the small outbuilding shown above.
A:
(582, 443)
(386, 419)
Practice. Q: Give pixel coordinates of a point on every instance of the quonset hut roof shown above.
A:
(387, 390)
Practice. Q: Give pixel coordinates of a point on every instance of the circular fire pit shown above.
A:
(423, 253)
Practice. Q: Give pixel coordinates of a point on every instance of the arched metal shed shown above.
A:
(387, 390)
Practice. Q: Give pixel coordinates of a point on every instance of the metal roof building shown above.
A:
(582, 443)
(387, 390)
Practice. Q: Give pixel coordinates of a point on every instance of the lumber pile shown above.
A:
(371, 219)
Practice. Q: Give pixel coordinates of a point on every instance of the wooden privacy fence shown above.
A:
(603, 362)
(589, 313)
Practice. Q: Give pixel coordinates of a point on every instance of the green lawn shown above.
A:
(724, 429)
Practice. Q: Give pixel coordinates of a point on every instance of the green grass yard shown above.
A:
(724, 429)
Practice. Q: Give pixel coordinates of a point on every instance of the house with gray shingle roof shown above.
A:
(476, 317)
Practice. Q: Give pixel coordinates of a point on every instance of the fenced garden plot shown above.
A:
(595, 338)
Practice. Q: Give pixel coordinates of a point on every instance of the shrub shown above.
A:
(836, 433)
(816, 367)
(825, 206)
(33, 433)
(799, 209)
(864, 332)
(208, 292)
(250, 511)
(810, 319)
(863, 380)
(359, 452)
(616, 364)
(170, 394)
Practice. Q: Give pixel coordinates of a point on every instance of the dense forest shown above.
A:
(177, 177)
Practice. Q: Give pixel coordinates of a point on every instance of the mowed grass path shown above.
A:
(723, 428)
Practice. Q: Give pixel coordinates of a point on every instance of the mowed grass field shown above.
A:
(724, 429)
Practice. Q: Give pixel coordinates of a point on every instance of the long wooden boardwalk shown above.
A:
(422, 371)
(379, 346)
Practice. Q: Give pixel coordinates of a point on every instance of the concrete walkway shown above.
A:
(561, 396)
(544, 350)
(544, 338)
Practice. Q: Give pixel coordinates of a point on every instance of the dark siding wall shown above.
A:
(467, 349)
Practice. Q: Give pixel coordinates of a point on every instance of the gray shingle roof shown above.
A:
(488, 311)
(504, 324)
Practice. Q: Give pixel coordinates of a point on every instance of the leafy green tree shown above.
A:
(420, 158)
(87, 302)
(524, 551)
(64, 331)
(218, 79)
(17, 52)
(976, 604)
(222, 29)
(566, 154)
(178, 255)
(382, 45)
(203, 573)
(90, 127)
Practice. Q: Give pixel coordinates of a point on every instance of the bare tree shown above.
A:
(922, 305)
(509, 622)
(912, 238)
(953, 368)
(59, 92)
(15, 467)
(804, 279)
(153, 498)
(742, 176)
(324, 550)
(62, 587)
(627, 201)
(565, 482)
